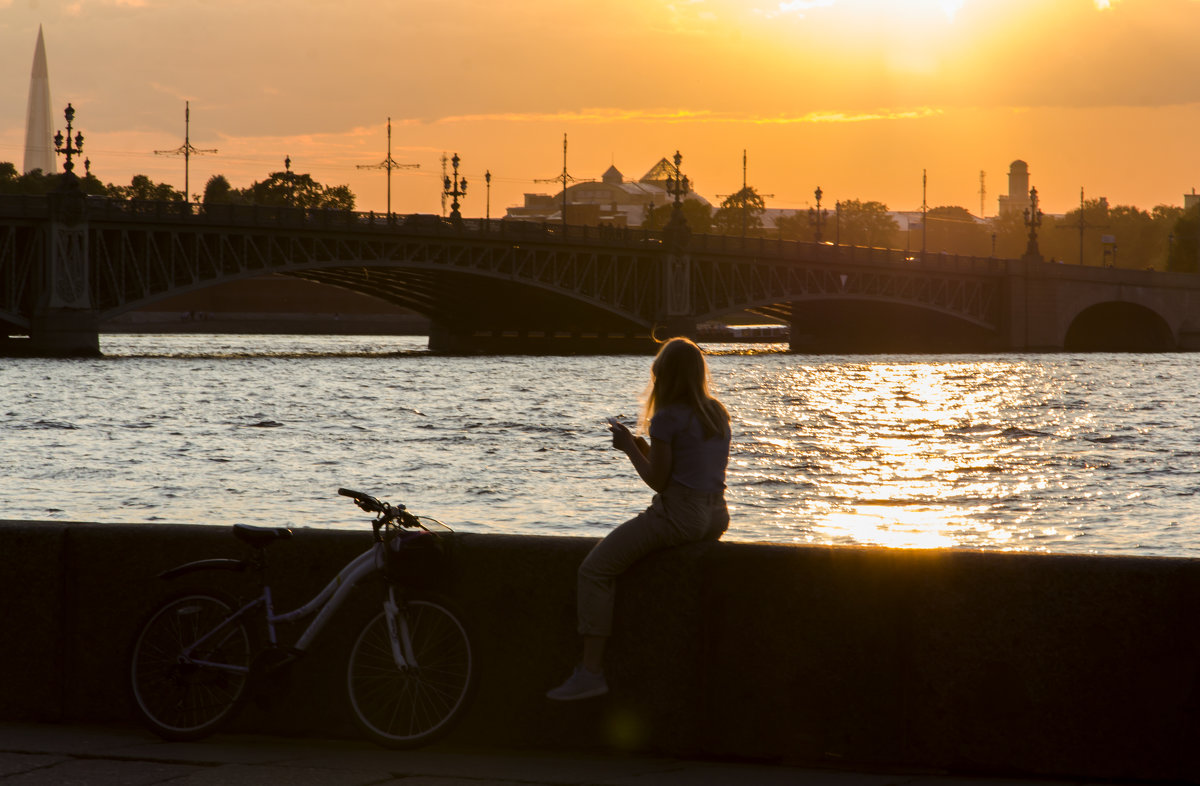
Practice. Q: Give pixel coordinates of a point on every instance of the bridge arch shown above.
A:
(874, 325)
(1119, 326)
(590, 281)
(790, 305)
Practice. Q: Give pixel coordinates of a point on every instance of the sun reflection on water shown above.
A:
(901, 454)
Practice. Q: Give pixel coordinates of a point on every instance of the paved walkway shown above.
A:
(54, 755)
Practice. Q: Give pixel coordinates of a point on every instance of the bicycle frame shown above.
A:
(324, 605)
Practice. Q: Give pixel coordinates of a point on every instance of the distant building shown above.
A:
(1017, 199)
(1191, 200)
(39, 138)
(610, 201)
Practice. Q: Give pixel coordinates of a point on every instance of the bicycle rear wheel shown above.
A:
(410, 705)
(186, 695)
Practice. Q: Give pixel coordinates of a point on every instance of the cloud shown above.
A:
(77, 8)
(795, 8)
(616, 115)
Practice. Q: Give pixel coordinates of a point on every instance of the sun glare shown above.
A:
(875, 9)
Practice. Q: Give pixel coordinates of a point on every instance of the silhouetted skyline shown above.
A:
(856, 96)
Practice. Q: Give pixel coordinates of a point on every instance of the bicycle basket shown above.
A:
(417, 559)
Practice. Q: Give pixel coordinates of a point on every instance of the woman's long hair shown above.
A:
(679, 375)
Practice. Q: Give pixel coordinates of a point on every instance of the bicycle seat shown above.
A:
(260, 537)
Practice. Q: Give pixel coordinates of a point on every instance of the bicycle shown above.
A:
(410, 672)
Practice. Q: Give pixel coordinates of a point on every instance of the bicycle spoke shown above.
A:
(410, 704)
(177, 695)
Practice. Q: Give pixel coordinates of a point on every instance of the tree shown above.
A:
(866, 223)
(31, 183)
(1133, 232)
(799, 225)
(1138, 238)
(1163, 219)
(291, 189)
(697, 214)
(36, 182)
(144, 189)
(338, 198)
(217, 191)
(1061, 238)
(740, 213)
(1185, 250)
(953, 230)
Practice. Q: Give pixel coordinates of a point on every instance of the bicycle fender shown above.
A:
(233, 565)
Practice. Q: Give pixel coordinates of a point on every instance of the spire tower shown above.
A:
(39, 143)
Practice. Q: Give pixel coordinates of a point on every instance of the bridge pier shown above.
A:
(63, 322)
(63, 333)
(1015, 323)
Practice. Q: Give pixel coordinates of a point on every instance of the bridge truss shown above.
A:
(498, 272)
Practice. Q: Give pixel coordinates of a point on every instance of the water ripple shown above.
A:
(1068, 453)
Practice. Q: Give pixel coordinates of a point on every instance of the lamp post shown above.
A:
(487, 178)
(389, 164)
(837, 231)
(455, 187)
(677, 183)
(1033, 220)
(289, 179)
(68, 150)
(677, 186)
(924, 208)
(815, 216)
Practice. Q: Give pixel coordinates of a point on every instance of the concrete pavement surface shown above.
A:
(62, 755)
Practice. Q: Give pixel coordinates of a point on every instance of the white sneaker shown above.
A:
(582, 684)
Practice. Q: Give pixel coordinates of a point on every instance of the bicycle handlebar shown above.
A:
(364, 501)
(387, 513)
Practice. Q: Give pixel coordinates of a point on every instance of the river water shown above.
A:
(1096, 453)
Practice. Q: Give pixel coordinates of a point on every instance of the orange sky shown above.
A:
(856, 96)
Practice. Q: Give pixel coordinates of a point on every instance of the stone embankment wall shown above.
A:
(956, 661)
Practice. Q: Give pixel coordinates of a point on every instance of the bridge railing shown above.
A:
(23, 206)
(104, 209)
(837, 254)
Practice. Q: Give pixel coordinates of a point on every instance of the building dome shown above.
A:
(1017, 198)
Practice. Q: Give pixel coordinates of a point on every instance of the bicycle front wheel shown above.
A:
(188, 671)
(406, 704)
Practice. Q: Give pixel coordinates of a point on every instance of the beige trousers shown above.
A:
(676, 516)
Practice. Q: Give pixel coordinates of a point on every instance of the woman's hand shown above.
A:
(652, 460)
(622, 438)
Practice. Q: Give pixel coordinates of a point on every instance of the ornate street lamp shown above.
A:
(68, 150)
(455, 187)
(1033, 220)
(816, 217)
(677, 231)
(289, 178)
(487, 179)
(677, 183)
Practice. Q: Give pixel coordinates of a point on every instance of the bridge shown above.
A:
(69, 263)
